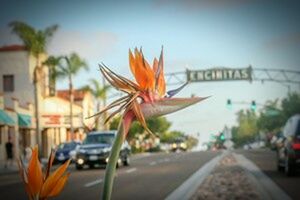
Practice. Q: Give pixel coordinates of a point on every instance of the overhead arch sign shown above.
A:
(220, 74)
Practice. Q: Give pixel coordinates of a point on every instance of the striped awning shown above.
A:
(24, 120)
(5, 119)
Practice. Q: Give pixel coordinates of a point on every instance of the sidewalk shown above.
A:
(9, 169)
(15, 168)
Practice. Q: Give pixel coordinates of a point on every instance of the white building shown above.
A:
(17, 100)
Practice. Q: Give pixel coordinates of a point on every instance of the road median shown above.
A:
(228, 176)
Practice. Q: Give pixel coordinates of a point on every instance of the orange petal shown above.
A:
(155, 65)
(59, 186)
(160, 79)
(139, 116)
(143, 73)
(161, 85)
(132, 63)
(53, 179)
(35, 175)
(50, 161)
(24, 177)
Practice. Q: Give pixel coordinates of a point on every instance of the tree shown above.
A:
(99, 92)
(158, 125)
(290, 105)
(52, 62)
(274, 114)
(35, 42)
(72, 65)
(170, 136)
(247, 127)
(191, 142)
(270, 118)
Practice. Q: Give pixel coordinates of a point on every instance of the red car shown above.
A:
(288, 152)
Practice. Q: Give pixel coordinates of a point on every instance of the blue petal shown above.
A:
(171, 93)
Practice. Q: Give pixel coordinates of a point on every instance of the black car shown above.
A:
(96, 148)
(288, 151)
(66, 151)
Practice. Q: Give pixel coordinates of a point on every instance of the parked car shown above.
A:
(288, 153)
(65, 151)
(96, 147)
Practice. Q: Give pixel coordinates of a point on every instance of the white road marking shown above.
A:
(131, 170)
(152, 163)
(90, 184)
(139, 156)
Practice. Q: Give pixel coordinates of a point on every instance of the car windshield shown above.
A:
(67, 146)
(99, 139)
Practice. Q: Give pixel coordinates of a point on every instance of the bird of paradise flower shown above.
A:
(145, 98)
(41, 186)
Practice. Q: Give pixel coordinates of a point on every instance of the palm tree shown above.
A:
(36, 43)
(72, 65)
(52, 62)
(99, 92)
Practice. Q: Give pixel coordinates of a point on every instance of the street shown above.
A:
(150, 176)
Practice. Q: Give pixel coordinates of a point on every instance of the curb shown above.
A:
(186, 190)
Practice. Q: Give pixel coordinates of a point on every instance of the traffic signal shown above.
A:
(222, 136)
(253, 105)
(229, 104)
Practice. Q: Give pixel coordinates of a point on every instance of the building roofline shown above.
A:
(13, 47)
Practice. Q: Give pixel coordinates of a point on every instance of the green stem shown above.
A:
(112, 163)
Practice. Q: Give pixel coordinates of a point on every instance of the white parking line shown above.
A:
(131, 170)
(90, 184)
(152, 163)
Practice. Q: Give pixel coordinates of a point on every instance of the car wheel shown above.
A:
(79, 167)
(280, 168)
(290, 168)
(126, 161)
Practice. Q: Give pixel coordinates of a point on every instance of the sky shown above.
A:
(195, 34)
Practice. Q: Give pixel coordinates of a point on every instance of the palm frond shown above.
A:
(49, 31)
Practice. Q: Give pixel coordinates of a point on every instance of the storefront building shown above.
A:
(17, 116)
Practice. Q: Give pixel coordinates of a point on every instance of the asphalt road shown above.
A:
(150, 176)
(266, 161)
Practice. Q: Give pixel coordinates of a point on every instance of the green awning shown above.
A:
(5, 119)
(24, 120)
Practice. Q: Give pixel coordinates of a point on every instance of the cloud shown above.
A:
(89, 45)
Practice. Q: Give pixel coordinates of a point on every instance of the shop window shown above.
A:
(8, 83)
